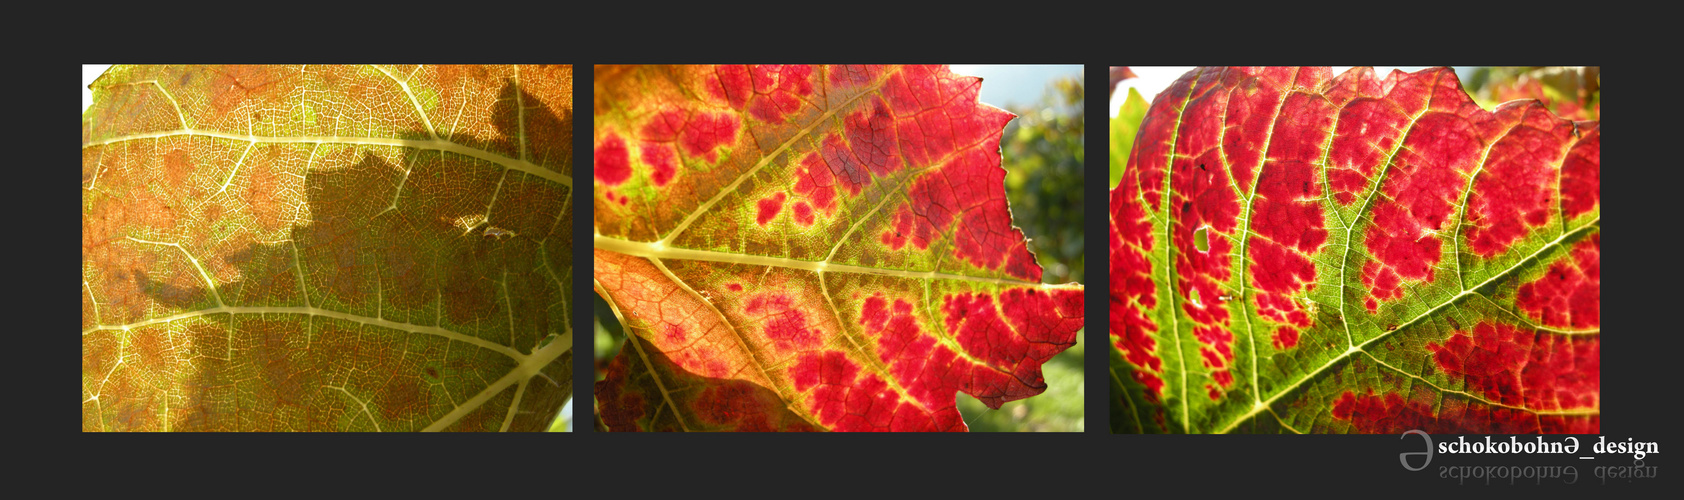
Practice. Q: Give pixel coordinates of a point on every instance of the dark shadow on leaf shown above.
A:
(424, 254)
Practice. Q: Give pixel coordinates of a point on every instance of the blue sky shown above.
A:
(1005, 85)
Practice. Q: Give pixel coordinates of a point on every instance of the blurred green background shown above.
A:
(1043, 158)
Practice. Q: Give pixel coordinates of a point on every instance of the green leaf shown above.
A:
(1123, 128)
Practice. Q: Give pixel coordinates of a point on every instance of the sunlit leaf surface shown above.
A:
(812, 248)
(1294, 251)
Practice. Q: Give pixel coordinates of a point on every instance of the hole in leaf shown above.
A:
(1201, 239)
(1194, 296)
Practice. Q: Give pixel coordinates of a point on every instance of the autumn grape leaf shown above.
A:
(812, 248)
(373, 248)
(1293, 251)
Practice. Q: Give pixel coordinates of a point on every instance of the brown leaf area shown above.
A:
(300, 248)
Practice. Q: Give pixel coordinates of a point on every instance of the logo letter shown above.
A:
(1404, 457)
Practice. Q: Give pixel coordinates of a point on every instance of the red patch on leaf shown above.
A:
(1424, 182)
(803, 213)
(1372, 414)
(1020, 349)
(701, 359)
(1132, 290)
(1539, 371)
(1047, 334)
(985, 237)
(1285, 337)
(1368, 130)
(843, 166)
(769, 208)
(817, 183)
(910, 354)
(662, 160)
(1581, 172)
(1202, 198)
(895, 237)
(977, 325)
(732, 83)
(1154, 385)
(874, 312)
(1516, 188)
(926, 100)
(778, 90)
(1278, 274)
(785, 323)
(1219, 341)
(935, 373)
(1383, 282)
(769, 92)
(735, 287)
(853, 75)
(708, 131)
(674, 334)
(1569, 295)
(1286, 210)
(1392, 414)
(664, 127)
(613, 165)
(871, 134)
(845, 401)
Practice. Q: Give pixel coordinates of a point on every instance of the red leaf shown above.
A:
(815, 248)
(1382, 255)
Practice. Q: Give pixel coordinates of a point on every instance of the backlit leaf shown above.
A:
(1381, 254)
(292, 248)
(1123, 129)
(812, 248)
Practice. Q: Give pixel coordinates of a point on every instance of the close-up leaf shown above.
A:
(1298, 252)
(327, 248)
(806, 248)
